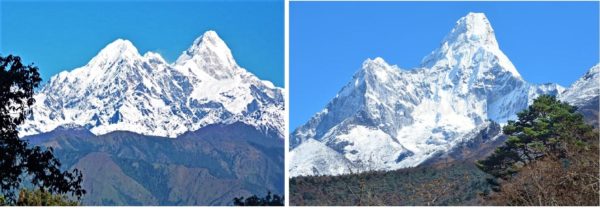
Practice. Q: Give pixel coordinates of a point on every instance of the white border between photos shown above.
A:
(286, 156)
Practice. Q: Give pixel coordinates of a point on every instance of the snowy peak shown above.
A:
(390, 118)
(471, 46)
(118, 50)
(474, 29)
(211, 41)
(209, 37)
(584, 89)
(120, 46)
(376, 69)
(374, 65)
(370, 63)
(154, 57)
(120, 90)
(209, 52)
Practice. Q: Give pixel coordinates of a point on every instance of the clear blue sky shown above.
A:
(546, 41)
(59, 36)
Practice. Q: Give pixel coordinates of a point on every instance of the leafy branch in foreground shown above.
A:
(19, 160)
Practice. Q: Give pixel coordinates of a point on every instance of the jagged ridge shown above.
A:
(121, 90)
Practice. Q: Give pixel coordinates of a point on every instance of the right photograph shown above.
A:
(444, 103)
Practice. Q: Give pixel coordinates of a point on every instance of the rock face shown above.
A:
(209, 166)
(388, 118)
(584, 94)
(121, 90)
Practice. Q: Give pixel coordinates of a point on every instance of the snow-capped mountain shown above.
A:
(584, 90)
(121, 90)
(389, 118)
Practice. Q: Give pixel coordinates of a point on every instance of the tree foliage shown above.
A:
(40, 198)
(550, 158)
(19, 160)
(547, 127)
(269, 200)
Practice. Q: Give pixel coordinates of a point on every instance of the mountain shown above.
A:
(388, 118)
(199, 131)
(209, 166)
(584, 94)
(121, 90)
(585, 89)
(479, 144)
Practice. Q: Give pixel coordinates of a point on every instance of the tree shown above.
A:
(274, 200)
(572, 181)
(40, 198)
(550, 158)
(19, 160)
(547, 127)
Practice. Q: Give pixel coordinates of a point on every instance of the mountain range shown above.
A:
(199, 131)
(388, 118)
(121, 90)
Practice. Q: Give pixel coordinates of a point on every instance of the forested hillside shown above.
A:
(549, 156)
(456, 184)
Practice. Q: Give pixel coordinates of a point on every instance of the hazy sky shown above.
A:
(546, 41)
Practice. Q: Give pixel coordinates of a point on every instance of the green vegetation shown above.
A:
(18, 159)
(550, 158)
(40, 198)
(254, 200)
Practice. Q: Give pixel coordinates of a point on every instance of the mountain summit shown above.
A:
(471, 42)
(121, 90)
(211, 54)
(119, 49)
(387, 118)
(473, 29)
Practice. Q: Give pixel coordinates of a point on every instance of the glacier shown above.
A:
(121, 90)
(389, 118)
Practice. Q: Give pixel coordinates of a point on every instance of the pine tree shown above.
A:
(547, 127)
(550, 158)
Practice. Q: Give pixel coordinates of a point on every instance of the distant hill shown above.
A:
(209, 166)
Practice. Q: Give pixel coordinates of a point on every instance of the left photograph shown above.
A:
(142, 103)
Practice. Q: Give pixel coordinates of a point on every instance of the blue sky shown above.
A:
(59, 36)
(546, 41)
